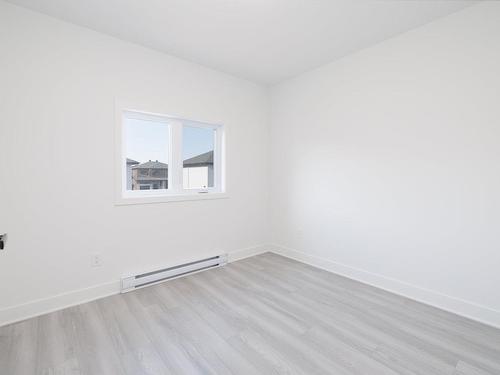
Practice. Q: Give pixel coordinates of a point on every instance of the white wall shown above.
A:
(385, 164)
(58, 85)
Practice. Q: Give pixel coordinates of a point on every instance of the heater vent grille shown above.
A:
(153, 277)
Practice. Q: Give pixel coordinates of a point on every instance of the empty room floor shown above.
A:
(262, 315)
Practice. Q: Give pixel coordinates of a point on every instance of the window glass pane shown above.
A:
(146, 150)
(198, 156)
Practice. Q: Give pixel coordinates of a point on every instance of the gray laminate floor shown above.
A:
(262, 315)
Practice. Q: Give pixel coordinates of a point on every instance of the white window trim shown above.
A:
(176, 191)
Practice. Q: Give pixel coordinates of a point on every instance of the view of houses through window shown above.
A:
(147, 148)
(147, 151)
(198, 157)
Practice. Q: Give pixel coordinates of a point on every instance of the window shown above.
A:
(147, 156)
(164, 158)
(198, 157)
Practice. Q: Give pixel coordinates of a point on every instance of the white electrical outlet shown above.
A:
(96, 260)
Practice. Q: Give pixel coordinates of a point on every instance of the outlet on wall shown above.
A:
(96, 260)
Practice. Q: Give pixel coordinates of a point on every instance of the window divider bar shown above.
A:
(175, 169)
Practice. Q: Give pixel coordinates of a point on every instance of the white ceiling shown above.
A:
(265, 41)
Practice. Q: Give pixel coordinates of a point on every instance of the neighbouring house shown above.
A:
(150, 175)
(130, 164)
(198, 172)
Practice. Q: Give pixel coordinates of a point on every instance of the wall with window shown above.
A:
(177, 159)
(58, 89)
(385, 164)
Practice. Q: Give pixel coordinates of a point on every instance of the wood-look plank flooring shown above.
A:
(262, 315)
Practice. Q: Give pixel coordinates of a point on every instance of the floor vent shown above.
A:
(144, 279)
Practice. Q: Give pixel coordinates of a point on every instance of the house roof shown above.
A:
(150, 178)
(206, 158)
(202, 159)
(151, 165)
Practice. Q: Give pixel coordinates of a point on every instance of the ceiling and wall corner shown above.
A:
(266, 41)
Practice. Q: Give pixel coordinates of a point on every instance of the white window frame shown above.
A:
(175, 190)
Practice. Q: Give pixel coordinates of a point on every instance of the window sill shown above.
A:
(122, 201)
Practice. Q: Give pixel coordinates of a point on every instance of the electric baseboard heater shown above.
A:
(153, 277)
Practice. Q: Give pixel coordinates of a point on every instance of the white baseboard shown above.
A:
(248, 252)
(42, 306)
(53, 303)
(454, 305)
(451, 304)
